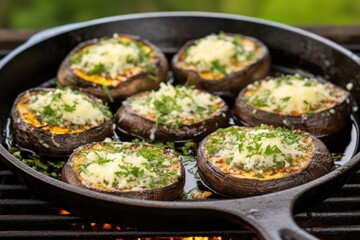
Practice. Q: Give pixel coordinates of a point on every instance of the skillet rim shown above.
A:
(296, 192)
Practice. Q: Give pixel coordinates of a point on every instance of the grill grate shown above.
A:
(23, 215)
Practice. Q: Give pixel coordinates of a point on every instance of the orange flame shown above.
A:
(111, 227)
(63, 212)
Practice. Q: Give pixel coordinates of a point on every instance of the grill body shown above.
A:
(25, 215)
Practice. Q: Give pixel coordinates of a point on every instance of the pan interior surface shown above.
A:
(292, 50)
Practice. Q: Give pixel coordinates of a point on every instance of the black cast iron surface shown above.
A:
(254, 210)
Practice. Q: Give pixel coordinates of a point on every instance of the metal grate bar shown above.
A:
(23, 202)
(330, 233)
(336, 204)
(40, 219)
(28, 206)
(12, 187)
(123, 234)
(328, 218)
(348, 190)
(14, 191)
(6, 173)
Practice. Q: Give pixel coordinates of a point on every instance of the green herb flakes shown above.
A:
(66, 108)
(175, 106)
(127, 166)
(259, 149)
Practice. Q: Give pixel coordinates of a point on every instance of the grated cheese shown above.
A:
(224, 50)
(64, 107)
(258, 149)
(293, 95)
(121, 166)
(112, 57)
(175, 105)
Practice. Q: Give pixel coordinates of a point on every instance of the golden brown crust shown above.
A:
(321, 123)
(129, 122)
(241, 186)
(120, 89)
(51, 141)
(169, 192)
(231, 83)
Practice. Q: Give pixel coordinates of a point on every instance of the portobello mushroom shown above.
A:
(294, 101)
(243, 161)
(177, 113)
(53, 122)
(114, 68)
(222, 63)
(126, 170)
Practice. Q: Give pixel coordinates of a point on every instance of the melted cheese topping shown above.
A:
(126, 167)
(112, 60)
(262, 152)
(294, 95)
(175, 106)
(216, 56)
(62, 111)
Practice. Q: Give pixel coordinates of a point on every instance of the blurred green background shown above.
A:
(47, 13)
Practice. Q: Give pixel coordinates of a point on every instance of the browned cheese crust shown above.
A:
(237, 181)
(245, 73)
(48, 140)
(170, 191)
(131, 122)
(123, 85)
(332, 115)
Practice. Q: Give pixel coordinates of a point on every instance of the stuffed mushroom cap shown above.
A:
(53, 122)
(223, 63)
(113, 68)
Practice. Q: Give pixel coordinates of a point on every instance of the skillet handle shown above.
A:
(270, 216)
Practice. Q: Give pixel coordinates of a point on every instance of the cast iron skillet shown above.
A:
(270, 215)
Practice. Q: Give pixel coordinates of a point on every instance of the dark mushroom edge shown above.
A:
(318, 107)
(50, 121)
(144, 67)
(132, 170)
(173, 113)
(248, 60)
(260, 165)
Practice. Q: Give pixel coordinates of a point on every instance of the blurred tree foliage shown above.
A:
(48, 13)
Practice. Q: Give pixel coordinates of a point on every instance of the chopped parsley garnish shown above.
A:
(128, 166)
(97, 69)
(258, 101)
(293, 95)
(175, 106)
(285, 99)
(77, 57)
(336, 156)
(69, 108)
(219, 53)
(185, 151)
(50, 116)
(217, 67)
(108, 93)
(258, 150)
(111, 57)
(65, 108)
(46, 167)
